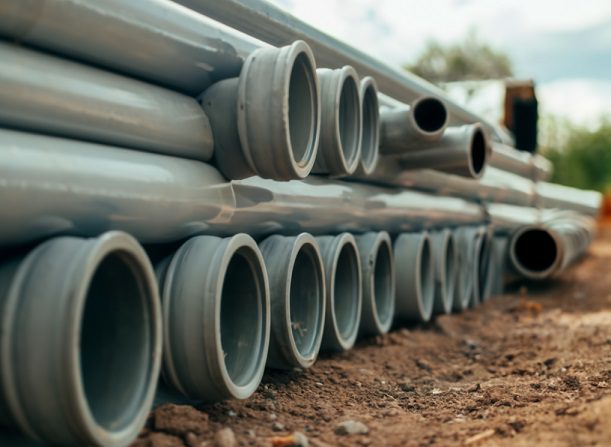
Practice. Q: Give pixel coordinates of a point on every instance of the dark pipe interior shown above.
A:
(430, 114)
(345, 291)
(349, 104)
(536, 250)
(370, 126)
(478, 151)
(302, 109)
(382, 283)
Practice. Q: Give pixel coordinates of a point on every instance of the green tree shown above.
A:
(470, 59)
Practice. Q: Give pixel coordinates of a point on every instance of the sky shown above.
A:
(564, 45)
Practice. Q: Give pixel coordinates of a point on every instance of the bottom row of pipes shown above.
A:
(84, 320)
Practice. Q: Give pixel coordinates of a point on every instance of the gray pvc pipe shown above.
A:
(465, 243)
(482, 271)
(407, 129)
(267, 122)
(156, 40)
(270, 23)
(535, 252)
(461, 151)
(415, 270)
(297, 288)
(344, 293)
(216, 315)
(550, 195)
(379, 284)
(370, 141)
(80, 318)
(46, 94)
(341, 118)
(500, 264)
(445, 257)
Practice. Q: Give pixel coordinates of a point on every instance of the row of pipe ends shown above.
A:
(222, 308)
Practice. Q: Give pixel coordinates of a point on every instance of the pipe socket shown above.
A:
(415, 272)
(445, 258)
(216, 315)
(344, 293)
(370, 141)
(81, 340)
(378, 282)
(462, 151)
(405, 129)
(266, 122)
(297, 286)
(465, 243)
(341, 122)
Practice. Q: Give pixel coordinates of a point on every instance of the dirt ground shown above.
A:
(532, 367)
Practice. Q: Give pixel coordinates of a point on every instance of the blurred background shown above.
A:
(547, 59)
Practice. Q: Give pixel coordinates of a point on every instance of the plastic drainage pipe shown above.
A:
(46, 94)
(267, 121)
(482, 271)
(80, 322)
(216, 315)
(341, 122)
(344, 293)
(415, 272)
(378, 278)
(550, 195)
(535, 252)
(445, 256)
(370, 142)
(297, 287)
(500, 264)
(270, 23)
(465, 243)
(407, 129)
(462, 151)
(168, 44)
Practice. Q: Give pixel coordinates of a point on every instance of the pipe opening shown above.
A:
(349, 126)
(305, 301)
(483, 265)
(430, 114)
(303, 108)
(450, 268)
(426, 277)
(478, 151)
(382, 280)
(242, 321)
(370, 126)
(346, 292)
(116, 339)
(536, 250)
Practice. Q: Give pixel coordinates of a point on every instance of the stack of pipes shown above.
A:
(213, 188)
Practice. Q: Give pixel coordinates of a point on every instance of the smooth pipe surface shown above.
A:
(445, 256)
(271, 24)
(341, 122)
(462, 151)
(551, 195)
(297, 288)
(415, 270)
(46, 94)
(267, 121)
(81, 340)
(407, 129)
(344, 293)
(465, 242)
(216, 313)
(500, 264)
(379, 283)
(370, 141)
(156, 40)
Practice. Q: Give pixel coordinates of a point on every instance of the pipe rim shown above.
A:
(535, 273)
(429, 115)
(90, 256)
(344, 247)
(479, 151)
(370, 141)
(426, 279)
(348, 119)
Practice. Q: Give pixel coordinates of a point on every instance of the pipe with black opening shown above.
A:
(370, 141)
(445, 257)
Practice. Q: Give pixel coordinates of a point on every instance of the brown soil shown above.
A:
(532, 367)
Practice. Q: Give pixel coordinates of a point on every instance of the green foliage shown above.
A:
(471, 59)
(583, 160)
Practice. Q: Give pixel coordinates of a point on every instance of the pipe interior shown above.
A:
(483, 264)
(430, 114)
(306, 301)
(426, 275)
(535, 250)
(370, 126)
(242, 317)
(349, 104)
(345, 292)
(302, 110)
(116, 342)
(478, 151)
(450, 267)
(382, 283)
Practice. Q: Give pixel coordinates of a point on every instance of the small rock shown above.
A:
(277, 426)
(225, 438)
(550, 362)
(232, 414)
(179, 420)
(192, 440)
(296, 439)
(475, 388)
(347, 428)
(272, 416)
(407, 387)
(423, 365)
